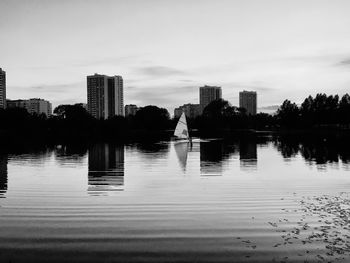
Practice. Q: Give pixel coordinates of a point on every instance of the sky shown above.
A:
(165, 50)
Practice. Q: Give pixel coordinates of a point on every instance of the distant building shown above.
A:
(17, 104)
(2, 89)
(208, 94)
(105, 96)
(191, 110)
(130, 110)
(248, 101)
(35, 105)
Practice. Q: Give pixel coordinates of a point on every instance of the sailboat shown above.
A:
(181, 131)
(182, 139)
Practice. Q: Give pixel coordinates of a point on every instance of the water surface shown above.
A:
(256, 199)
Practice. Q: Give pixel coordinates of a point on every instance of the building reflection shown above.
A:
(248, 154)
(3, 175)
(106, 168)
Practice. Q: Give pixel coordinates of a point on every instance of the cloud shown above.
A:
(64, 93)
(160, 71)
(55, 88)
(116, 60)
(255, 86)
(270, 107)
(345, 62)
(162, 96)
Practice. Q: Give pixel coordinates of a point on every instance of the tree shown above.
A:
(152, 118)
(218, 108)
(72, 112)
(344, 109)
(288, 114)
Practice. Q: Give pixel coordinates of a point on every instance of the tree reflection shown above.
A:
(213, 154)
(315, 149)
(70, 152)
(153, 149)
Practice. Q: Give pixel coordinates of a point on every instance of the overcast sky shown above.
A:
(165, 49)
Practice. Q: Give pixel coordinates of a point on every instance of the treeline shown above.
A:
(323, 110)
(74, 122)
(221, 115)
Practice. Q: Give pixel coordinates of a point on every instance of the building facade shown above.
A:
(130, 110)
(248, 101)
(33, 106)
(2, 89)
(208, 94)
(191, 110)
(105, 96)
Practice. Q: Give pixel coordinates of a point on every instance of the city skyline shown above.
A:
(165, 50)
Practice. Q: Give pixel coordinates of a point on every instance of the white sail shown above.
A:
(181, 130)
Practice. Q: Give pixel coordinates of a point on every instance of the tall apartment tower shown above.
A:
(248, 101)
(2, 89)
(208, 94)
(105, 96)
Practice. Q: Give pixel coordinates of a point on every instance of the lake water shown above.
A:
(255, 199)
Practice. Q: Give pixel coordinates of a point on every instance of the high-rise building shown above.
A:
(208, 94)
(130, 110)
(2, 89)
(33, 106)
(105, 96)
(248, 101)
(191, 110)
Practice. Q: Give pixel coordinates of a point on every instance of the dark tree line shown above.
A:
(221, 115)
(320, 111)
(73, 121)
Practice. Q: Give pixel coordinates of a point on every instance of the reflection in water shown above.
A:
(73, 153)
(181, 150)
(248, 154)
(3, 175)
(212, 156)
(165, 216)
(319, 150)
(106, 168)
(153, 150)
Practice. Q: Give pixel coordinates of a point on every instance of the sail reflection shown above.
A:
(106, 168)
(181, 150)
(3, 175)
